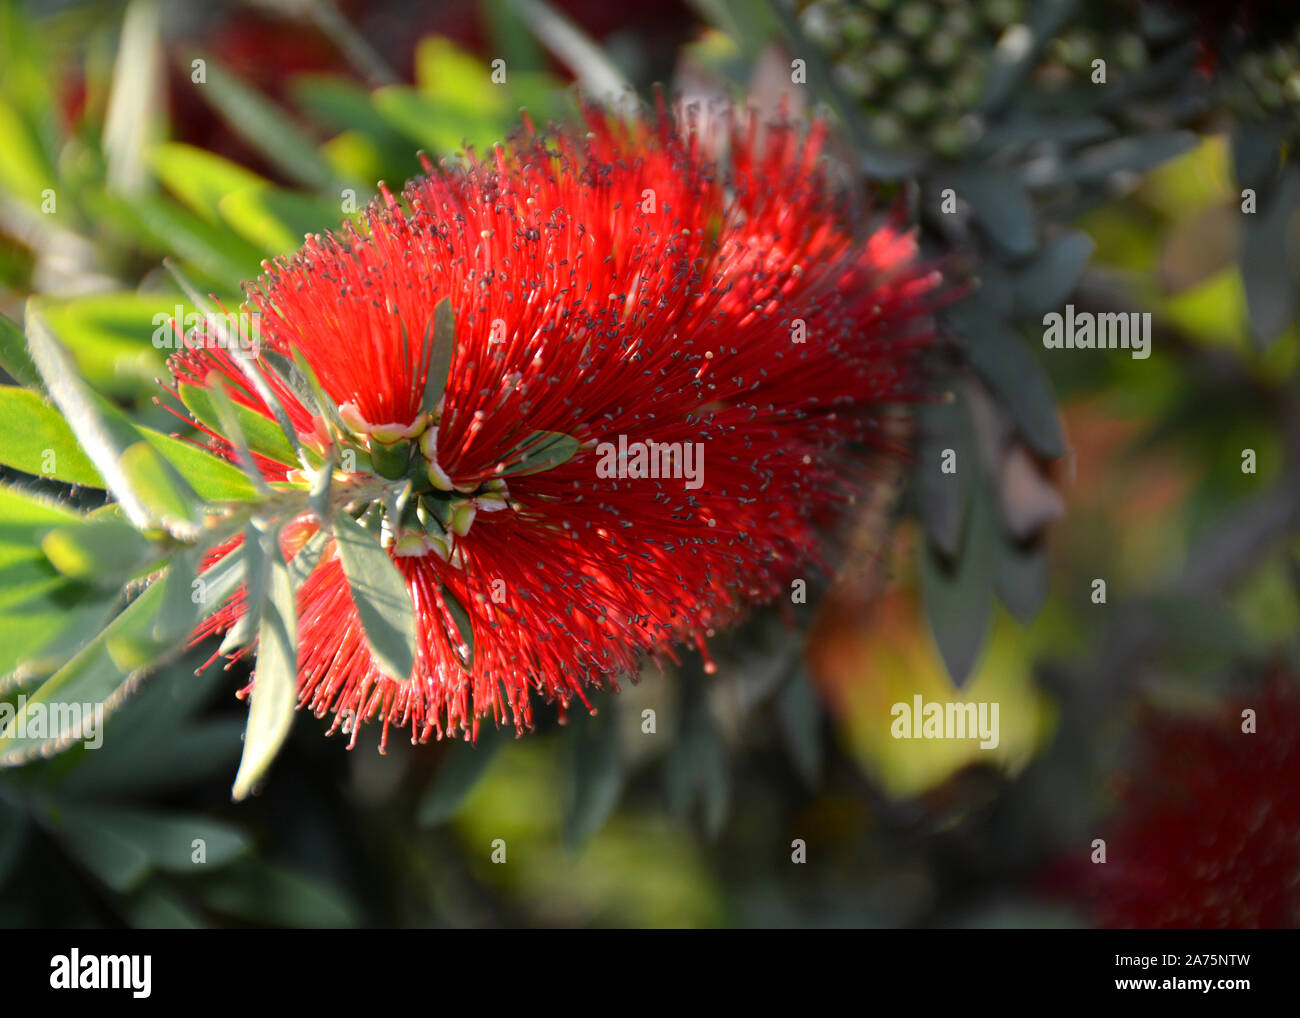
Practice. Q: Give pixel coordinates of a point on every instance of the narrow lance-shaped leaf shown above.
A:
(543, 450)
(266, 127)
(440, 353)
(179, 613)
(14, 357)
(380, 595)
(165, 494)
(73, 399)
(233, 430)
(261, 435)
(247, 367)
(103, 550)
(257, 571)
(308, 558)
(464, 632)
(39, 441)
(275, 686)
(122, 652)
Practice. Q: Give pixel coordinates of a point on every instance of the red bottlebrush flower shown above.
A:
(614, 288)
(1207, 832)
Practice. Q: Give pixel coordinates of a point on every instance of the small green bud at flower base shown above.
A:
(463, 518)
(437, 513)
(351, 416)
(439, 545)
(390, 459)
(438, 477)
(411, 546)
(429, 444)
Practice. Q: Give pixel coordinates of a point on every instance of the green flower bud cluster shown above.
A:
(919, 68)
(436, 510)
(1265, 82)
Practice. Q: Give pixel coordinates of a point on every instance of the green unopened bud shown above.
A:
(437, 514)
(462, 518)
(915, 101)
(888, 130)
(855, 79)
(411, 546)
(889, 60)
(440, 545)
(942, 49)
(914, 19)
(1000, 13)
(351, 416)
(857, 27)
(959, 23)
(438, 477)
(390, 460)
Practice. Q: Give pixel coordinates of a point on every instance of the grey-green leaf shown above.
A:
(440, 354)
(380, 595)
(275, 689)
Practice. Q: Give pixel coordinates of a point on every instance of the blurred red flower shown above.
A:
(612, 286)
(1207, 831)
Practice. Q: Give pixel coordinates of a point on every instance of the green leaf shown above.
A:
(595, 776)
(221, 255)
(944, 497)
(135, 98)
(1022, 579)
(1130, 154)
(277, 221)
(104, 550)
(570, 45)
(121, 845)
(257, 579)
(463, 635)
(1010, 64)
(697, 765)
(263, 435)
(228, 416)
(275, 686)
(1265, 272)
(380, 595)
(1002, 207)
(308, 558)
(120, 340)
(37, 437)
(800, 715)
(1014, 374)
(1052, 276)
(104, 445)
(199, 178)
(458, 775)
(543, 450)
(433, 124)
(265, 127)
(43, 616)
(13, 355)
(179, 612)
(122, 652)
(212, 478)
(24, 170)
(959, 593)
(438, 370)
(259, 891)
(159, 486)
